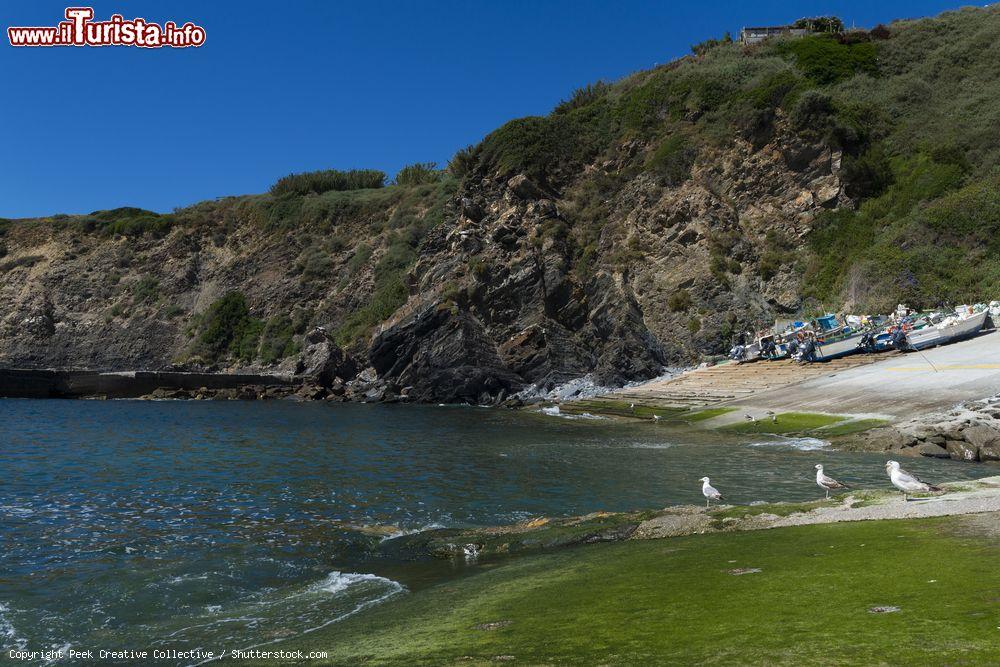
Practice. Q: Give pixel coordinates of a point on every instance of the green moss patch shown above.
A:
(704, 415)
(786, 422)
(856, 426)
(804, 600)
(777, 509)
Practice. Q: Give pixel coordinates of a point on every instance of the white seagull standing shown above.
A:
(827, 483)
(710, 492)
(907, 482)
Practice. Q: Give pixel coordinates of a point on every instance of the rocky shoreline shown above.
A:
(544, 533)
(970, 432)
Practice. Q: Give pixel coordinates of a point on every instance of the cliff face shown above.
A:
(495, 300)
(497, 285)
(641, 223)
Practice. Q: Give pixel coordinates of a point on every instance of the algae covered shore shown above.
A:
(722, 590)
(894, 592)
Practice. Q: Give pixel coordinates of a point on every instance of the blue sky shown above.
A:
(296, 86)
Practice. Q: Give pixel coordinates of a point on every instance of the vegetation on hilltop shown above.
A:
(318, 182)
(418, 173)
(912, 107)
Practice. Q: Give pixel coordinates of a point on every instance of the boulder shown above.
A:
(311, 392)
(930, 449)
(951, 430)
(523, 188)
(890, 438)
(471, 210)
(962, 451)
(323, 361)
(980, 435)
(990, 452)
(444, 355)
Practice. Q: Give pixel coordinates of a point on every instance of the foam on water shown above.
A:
(402, 532)
(554, 411)
(338, 581)
(801, 444)
(9, 639)
(362, 590)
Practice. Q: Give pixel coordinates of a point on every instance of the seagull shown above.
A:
(631, 407)
(827, 483)
(749, 418)
(906, 482)
(656, 418)
(773, 416)
(710, 492)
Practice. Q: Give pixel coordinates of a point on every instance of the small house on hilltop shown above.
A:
(756, 35)
(804, 26)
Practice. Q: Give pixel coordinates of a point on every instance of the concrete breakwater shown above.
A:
(54, 383)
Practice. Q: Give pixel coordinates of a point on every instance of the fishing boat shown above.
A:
(832, 347)
(834, 338)
(948, 330)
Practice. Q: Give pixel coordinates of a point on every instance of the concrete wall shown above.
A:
(30, 383)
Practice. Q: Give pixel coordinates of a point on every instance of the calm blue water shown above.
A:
(181, 525)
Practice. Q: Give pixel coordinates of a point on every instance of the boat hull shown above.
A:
(838, 348)
(931, 336)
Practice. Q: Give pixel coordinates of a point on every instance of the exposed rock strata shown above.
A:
(497, 300)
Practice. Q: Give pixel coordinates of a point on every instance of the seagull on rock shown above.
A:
(827, 483)
(710, 492)
(906, 482)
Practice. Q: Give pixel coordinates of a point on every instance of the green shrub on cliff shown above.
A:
(546, 148)
(227, 329)
(128, 221)
(418, 173)
(671, 162)
(926, 240)
(147, 289)
(277, 339)
(680, 301)
(317, 182)
(826, 60)
(389, 293)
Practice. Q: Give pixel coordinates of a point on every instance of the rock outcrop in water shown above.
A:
(968, 433)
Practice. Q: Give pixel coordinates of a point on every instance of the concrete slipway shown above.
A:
(893, 385)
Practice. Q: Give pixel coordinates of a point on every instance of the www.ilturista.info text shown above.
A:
(79, 29)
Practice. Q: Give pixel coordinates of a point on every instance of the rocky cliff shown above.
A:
(495, 300)
(639, 225)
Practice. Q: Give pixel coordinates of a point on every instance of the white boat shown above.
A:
(838, 347)
(951, 329)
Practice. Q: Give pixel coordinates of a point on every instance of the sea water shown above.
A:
(184, 526)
